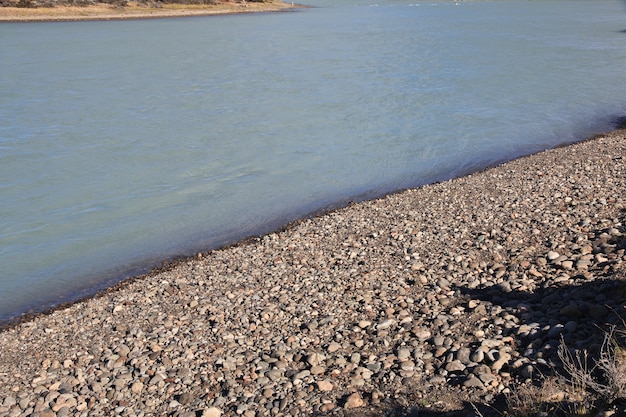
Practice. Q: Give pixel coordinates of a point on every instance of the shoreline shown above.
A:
(135, 11)
(168, 264)
(393, 302)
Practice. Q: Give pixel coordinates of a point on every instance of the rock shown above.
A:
(137, 387)
(443, 283)
(477, 356)
(552, 255)
(407, 365)
(463, 355)
(571, 311)
(325, 385)
(211, 412)
(403, 354)
(597, 311)
(318, 370)
(354, 401)
(438, 340)
(473, 382)
(315, 359)
(325, 408)
(503, 359)
(334, 347)
(555, 331)
(386, 324)
(527, 371)
(302, 374)
(184, 398)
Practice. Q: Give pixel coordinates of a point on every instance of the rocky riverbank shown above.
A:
(432, 299)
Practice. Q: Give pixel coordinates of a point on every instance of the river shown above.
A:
(127, 143)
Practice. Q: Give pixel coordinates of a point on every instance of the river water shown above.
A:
(126, 143)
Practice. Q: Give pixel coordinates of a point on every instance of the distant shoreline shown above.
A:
(135, 10)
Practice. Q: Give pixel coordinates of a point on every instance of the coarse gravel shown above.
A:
(425, 300)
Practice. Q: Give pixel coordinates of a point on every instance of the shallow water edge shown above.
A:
(158, 266)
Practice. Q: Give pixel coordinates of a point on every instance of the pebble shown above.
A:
(325, 385)
(419, 294)
(354, 401)
(211, 412)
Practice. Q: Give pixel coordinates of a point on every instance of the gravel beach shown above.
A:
(422, 302)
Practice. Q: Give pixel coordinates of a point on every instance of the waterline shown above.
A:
(115, 155)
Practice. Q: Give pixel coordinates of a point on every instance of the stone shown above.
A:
(386, 324)
(211, 412)
(454, 366)
(184, 398)
(137, 387)
(463, 355)
(503, 359)
(597, 311)
(403, 354)
(334, 347)
(552, 255)
(315, 359)
(325, 385)
(317, 370)
(571, 311)
(325, 408)
(354, 401)
(473, 382)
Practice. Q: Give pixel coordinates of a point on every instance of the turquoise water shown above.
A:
(123, 144)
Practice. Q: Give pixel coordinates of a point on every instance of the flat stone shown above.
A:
(325, 385)
(552, 255)
(334, 347)
(211, 412)
(473, 382)
(386, 324)
(455, 366)
(317, 370)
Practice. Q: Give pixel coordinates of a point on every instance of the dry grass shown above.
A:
(587, 384)
(606, 377)
(133, 10)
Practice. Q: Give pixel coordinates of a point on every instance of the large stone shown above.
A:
(325, 385)
(211, 412)
(354, 401)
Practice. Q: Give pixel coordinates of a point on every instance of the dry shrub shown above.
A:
(571, 395)
(606, 376)
(525, 401)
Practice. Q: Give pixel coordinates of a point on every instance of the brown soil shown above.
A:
(135, 10)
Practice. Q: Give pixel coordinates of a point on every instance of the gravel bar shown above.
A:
(428, 299)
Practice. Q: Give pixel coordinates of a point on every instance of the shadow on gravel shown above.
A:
(468, 410)
(580, 313)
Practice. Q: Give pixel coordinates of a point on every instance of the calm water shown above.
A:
(126, 143)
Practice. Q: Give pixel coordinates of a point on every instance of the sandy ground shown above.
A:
(135, 11)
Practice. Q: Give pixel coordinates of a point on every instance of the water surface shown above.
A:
(125, 143)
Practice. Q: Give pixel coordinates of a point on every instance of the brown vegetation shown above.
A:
(63, 10)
